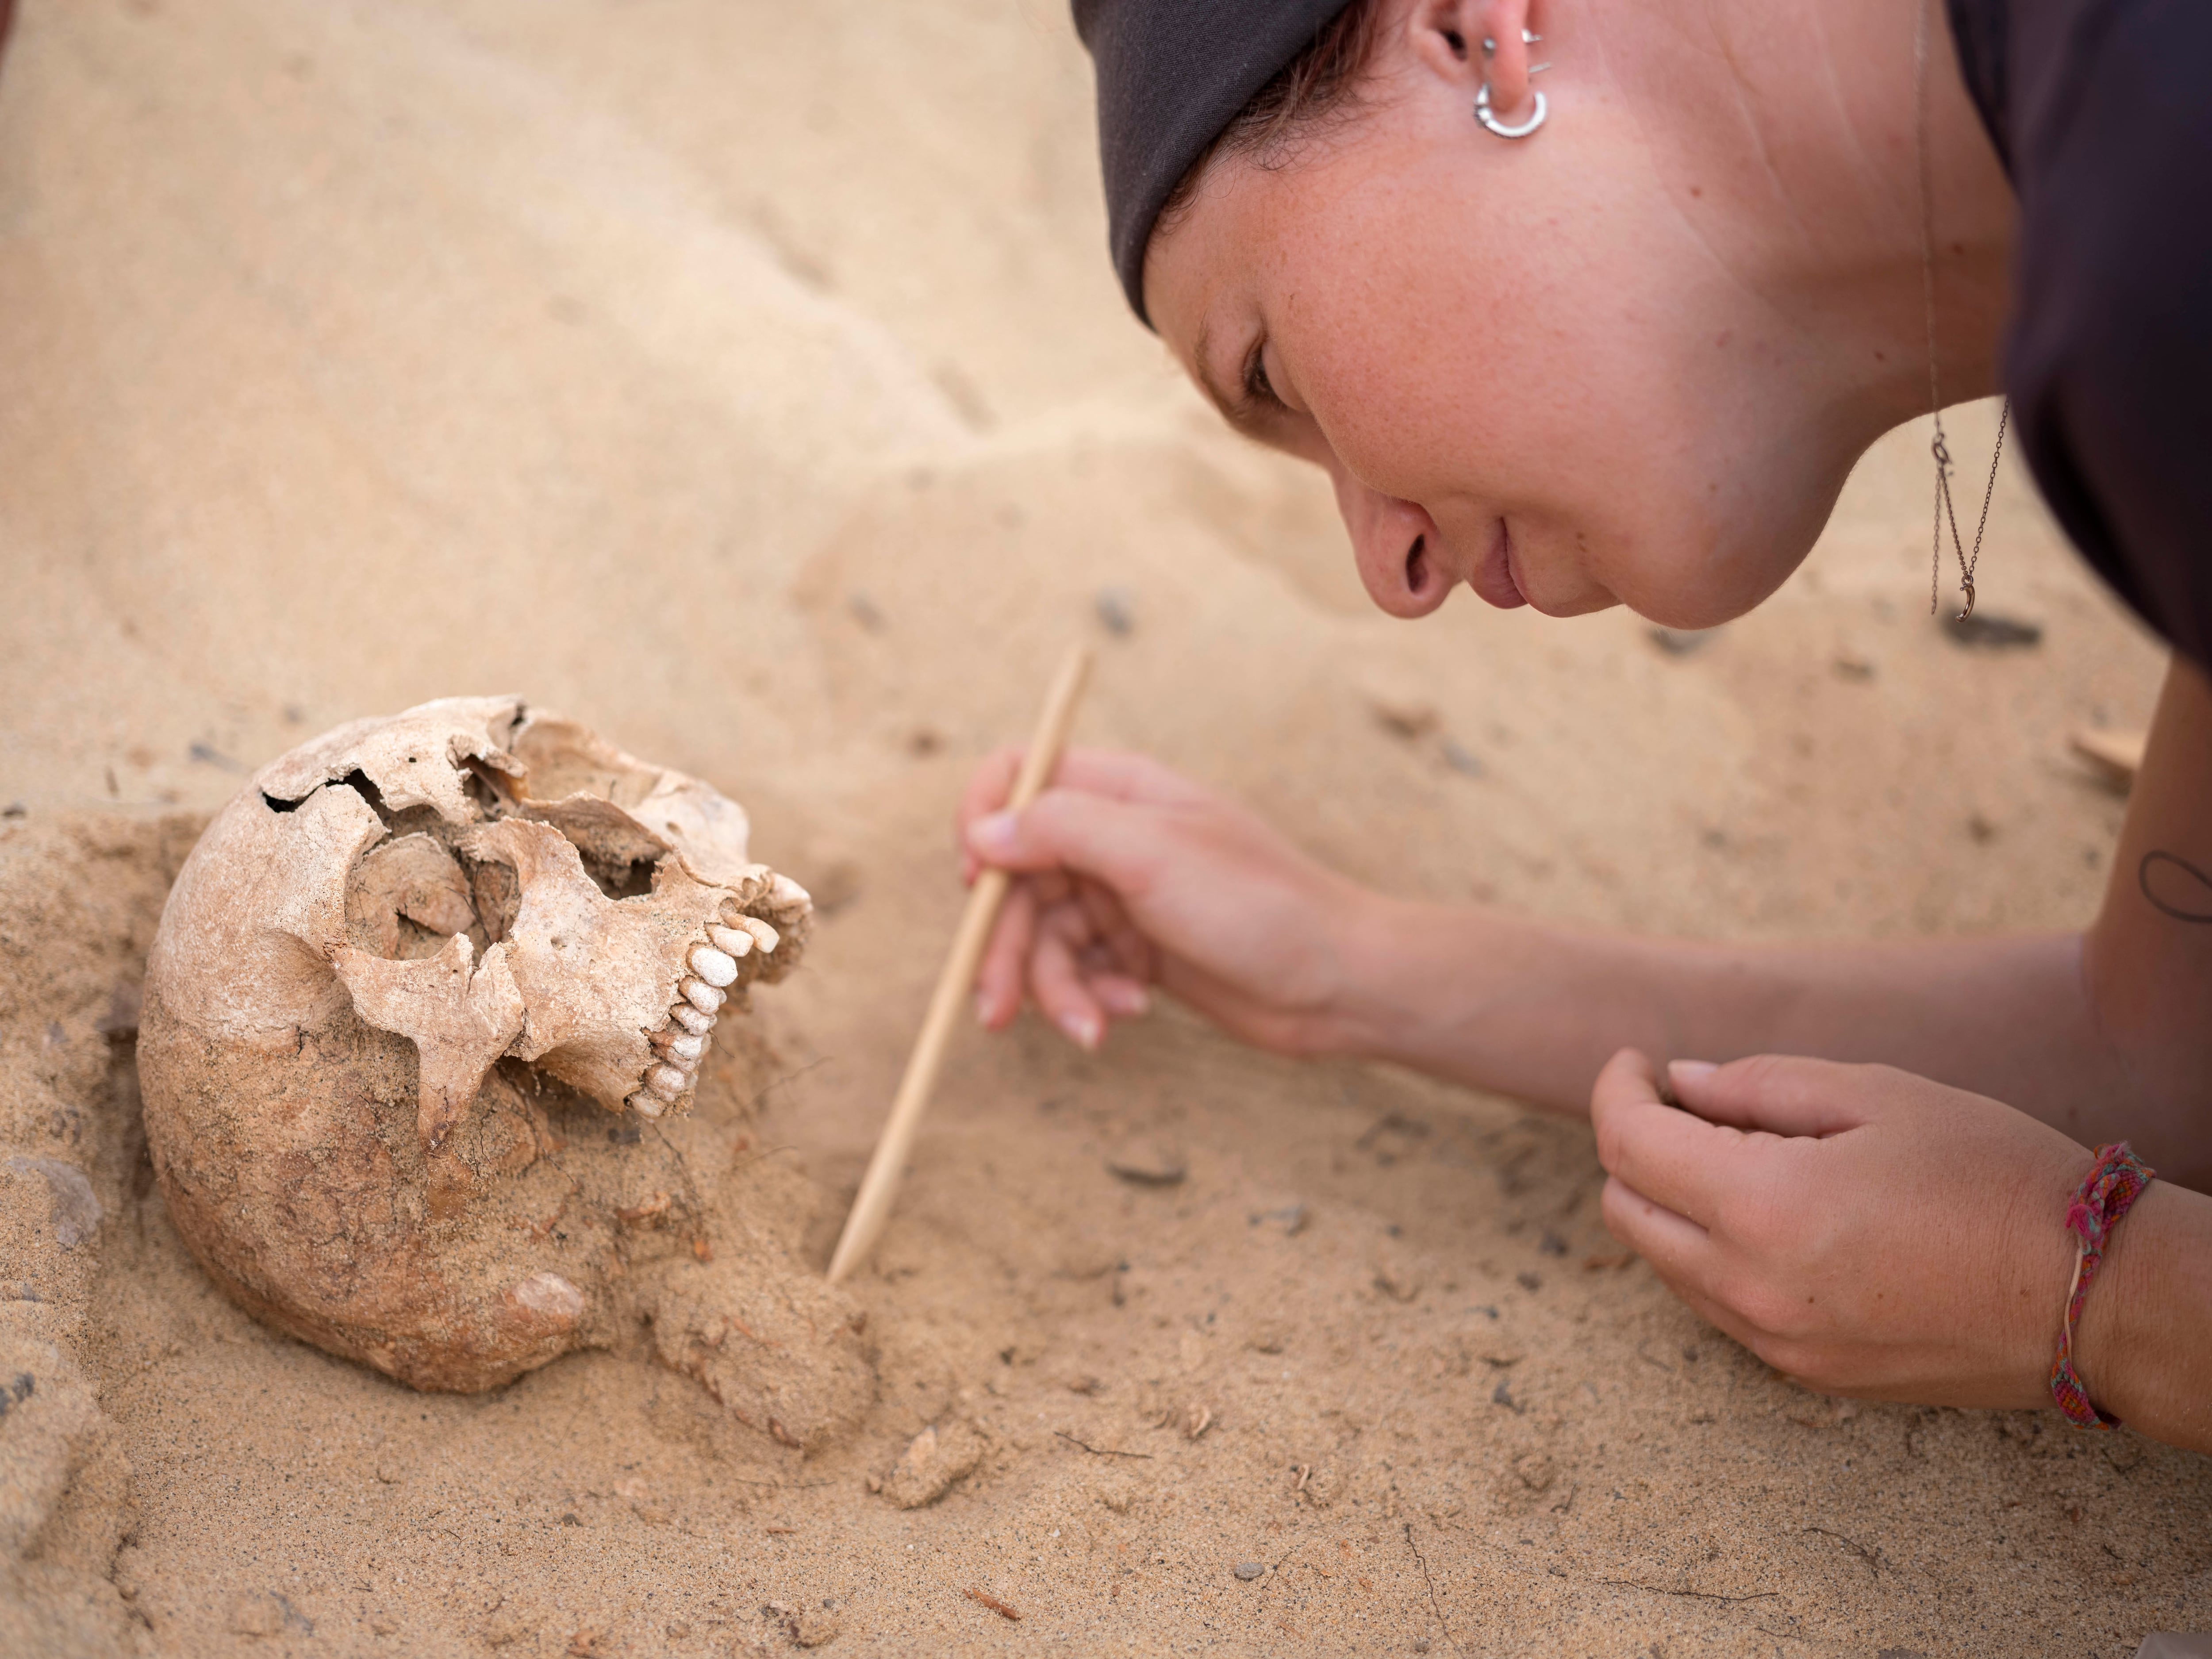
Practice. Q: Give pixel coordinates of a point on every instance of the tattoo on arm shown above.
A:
(2175, 887)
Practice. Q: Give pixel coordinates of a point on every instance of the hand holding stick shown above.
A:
(880, 1184)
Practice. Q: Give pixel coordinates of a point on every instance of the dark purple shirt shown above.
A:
(2102, 112)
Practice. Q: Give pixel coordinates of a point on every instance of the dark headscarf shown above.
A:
(1172, 74)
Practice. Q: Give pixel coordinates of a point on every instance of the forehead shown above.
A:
(1210, 257)
(1254, 221)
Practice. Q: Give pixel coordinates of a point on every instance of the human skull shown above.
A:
(395, 976)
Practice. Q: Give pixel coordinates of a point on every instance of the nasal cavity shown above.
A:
(1416, 566)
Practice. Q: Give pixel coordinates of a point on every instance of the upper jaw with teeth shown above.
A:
(730, 955)
(467, 875)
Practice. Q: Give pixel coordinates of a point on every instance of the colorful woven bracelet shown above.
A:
(2113, 1183)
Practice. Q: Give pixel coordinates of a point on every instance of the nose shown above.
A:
(1396, 546)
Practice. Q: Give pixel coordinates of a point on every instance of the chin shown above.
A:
(1708, 575)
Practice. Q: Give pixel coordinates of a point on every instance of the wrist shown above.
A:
(1383, 973)
(2138, 1352)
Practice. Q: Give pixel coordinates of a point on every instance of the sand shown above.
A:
(749, 381)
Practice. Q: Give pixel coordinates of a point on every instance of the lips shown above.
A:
(1493, 580)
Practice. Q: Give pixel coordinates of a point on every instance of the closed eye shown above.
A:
(1259, 392)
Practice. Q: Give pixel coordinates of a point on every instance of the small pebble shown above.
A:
(1403, 713)
(1247, 1570)
(1681, 641)
(1148, 1162)
(208, 755)
(1117, 611)
(1990, 630)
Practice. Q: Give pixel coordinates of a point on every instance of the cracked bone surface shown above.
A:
(409, 996)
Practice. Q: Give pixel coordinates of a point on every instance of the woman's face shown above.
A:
(1544, 367)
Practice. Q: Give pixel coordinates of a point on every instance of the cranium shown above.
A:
(394, 986)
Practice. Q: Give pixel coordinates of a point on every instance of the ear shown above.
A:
(1446, 38)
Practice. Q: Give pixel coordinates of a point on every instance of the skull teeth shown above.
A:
(714, 967)
(763, 934)
(730, 941)
(712, 970)
(681, 1047)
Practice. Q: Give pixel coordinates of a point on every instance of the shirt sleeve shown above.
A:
(2109, 359)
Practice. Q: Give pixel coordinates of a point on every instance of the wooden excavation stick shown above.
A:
(880, 1185)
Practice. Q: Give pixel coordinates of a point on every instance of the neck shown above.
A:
(1801, 122)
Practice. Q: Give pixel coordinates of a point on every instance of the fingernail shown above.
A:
(993, 834)
(1690, 1071)
(1082, 1029)
(1127, 1001)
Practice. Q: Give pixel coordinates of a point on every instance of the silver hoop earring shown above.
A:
(1492, 123)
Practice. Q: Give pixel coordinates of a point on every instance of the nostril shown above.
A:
(1416, 566)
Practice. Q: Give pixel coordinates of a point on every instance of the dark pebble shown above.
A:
(1993, 631)
(1117, 610)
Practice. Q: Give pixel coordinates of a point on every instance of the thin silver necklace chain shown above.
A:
(1945, 512)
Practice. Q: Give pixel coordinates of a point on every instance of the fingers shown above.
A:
(1690, 1261)
(1121, 996)
(1678, 1250)
(999, 981)
(1115, 774)
(1781, 1094)
(1127, 952)
(1056, 979)
(1046, 946)
(1115, 843)
(1124, 775)
(1675, 1159)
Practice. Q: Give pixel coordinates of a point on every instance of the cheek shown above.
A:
(1394, 365)
(1452, 369)
(1460, 353)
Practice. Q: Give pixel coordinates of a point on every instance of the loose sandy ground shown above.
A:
(748, 379)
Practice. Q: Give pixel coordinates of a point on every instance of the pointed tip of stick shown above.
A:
(880, 1184)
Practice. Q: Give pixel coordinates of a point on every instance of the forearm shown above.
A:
(2144, 1347)
(1535, 1009)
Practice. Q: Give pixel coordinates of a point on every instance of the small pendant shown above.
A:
(1966, 587)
